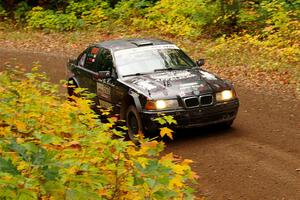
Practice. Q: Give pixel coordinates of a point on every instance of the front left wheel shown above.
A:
(134, 124)
(71, 86)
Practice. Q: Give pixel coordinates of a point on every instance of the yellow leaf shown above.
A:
(20, 140)
(102, 192)
(176, 181)
(72, 170)
(152, 144)
(94, 160)
(167, 160)
(2, 89)
(4, 131)
(21, 126)
(146, 146)
(166, 131)
(193, 175)
(22, 165)
(179, 169)
(109, 125)
(7, 177)
(142, 161)
(141, 134)
(169, 156)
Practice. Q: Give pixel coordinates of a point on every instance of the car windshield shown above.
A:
(148, 59)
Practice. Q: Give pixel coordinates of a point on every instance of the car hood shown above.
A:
(171, 84)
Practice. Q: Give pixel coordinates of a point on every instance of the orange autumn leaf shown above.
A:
(166, 131)
(187, 161)
(21, 126)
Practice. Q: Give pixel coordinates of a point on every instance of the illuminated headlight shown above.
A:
(225, 95)
(161, 104)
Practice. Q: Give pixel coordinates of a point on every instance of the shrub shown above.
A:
(182, 18)
(126, 12)
(56, 149)
(76, 15)
(79, 7)
(276, 52)
(3, 12)
(20, 12)
(38, 18)
(95, 17)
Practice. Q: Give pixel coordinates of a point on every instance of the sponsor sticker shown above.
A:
(173, 76)
(103, 91)
(104, 104)
(208, 76)
(144, 84)
(94, 50)
(145, 48)
(189, 88)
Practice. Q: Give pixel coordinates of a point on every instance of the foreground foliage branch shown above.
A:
(56, 149)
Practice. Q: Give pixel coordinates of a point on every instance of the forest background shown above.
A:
(256, 40)
(249, 35)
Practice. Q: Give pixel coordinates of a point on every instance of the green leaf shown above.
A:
(26, 195)
(150, 182)
(8, 167)
(170, 119)
(19, 149)
(55, 188)
(160, 120)
(51, 173)
(47, 139)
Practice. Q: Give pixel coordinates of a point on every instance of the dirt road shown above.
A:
(258, 158)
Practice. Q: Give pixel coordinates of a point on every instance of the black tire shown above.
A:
(71, 87)
(226, 125)
(134, 123)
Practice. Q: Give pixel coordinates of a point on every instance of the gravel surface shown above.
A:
(258, 158)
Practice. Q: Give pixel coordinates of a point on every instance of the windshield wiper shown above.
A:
(165, 69)
(195, 67)
(179, 67)
(136, 74)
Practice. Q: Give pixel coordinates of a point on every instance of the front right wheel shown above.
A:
(226, 125)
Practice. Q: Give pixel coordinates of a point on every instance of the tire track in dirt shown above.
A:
(256, 159)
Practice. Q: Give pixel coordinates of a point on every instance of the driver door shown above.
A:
(104, 86)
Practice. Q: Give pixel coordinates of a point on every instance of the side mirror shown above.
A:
(103, 74)
(200, 62)
(72, 60)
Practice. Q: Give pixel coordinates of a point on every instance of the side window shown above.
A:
(90, 62)
(81, 59)
(105, 62)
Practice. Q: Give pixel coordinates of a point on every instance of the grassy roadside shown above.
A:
(244, 62)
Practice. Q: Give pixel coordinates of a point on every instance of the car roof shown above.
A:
(115, 45)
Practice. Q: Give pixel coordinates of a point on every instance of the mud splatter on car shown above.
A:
(142, 78)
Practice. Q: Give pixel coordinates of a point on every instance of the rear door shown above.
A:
(87, 68)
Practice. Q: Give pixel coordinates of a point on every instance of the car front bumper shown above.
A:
(197, 117)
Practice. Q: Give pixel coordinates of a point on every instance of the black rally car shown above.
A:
(143, 77)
